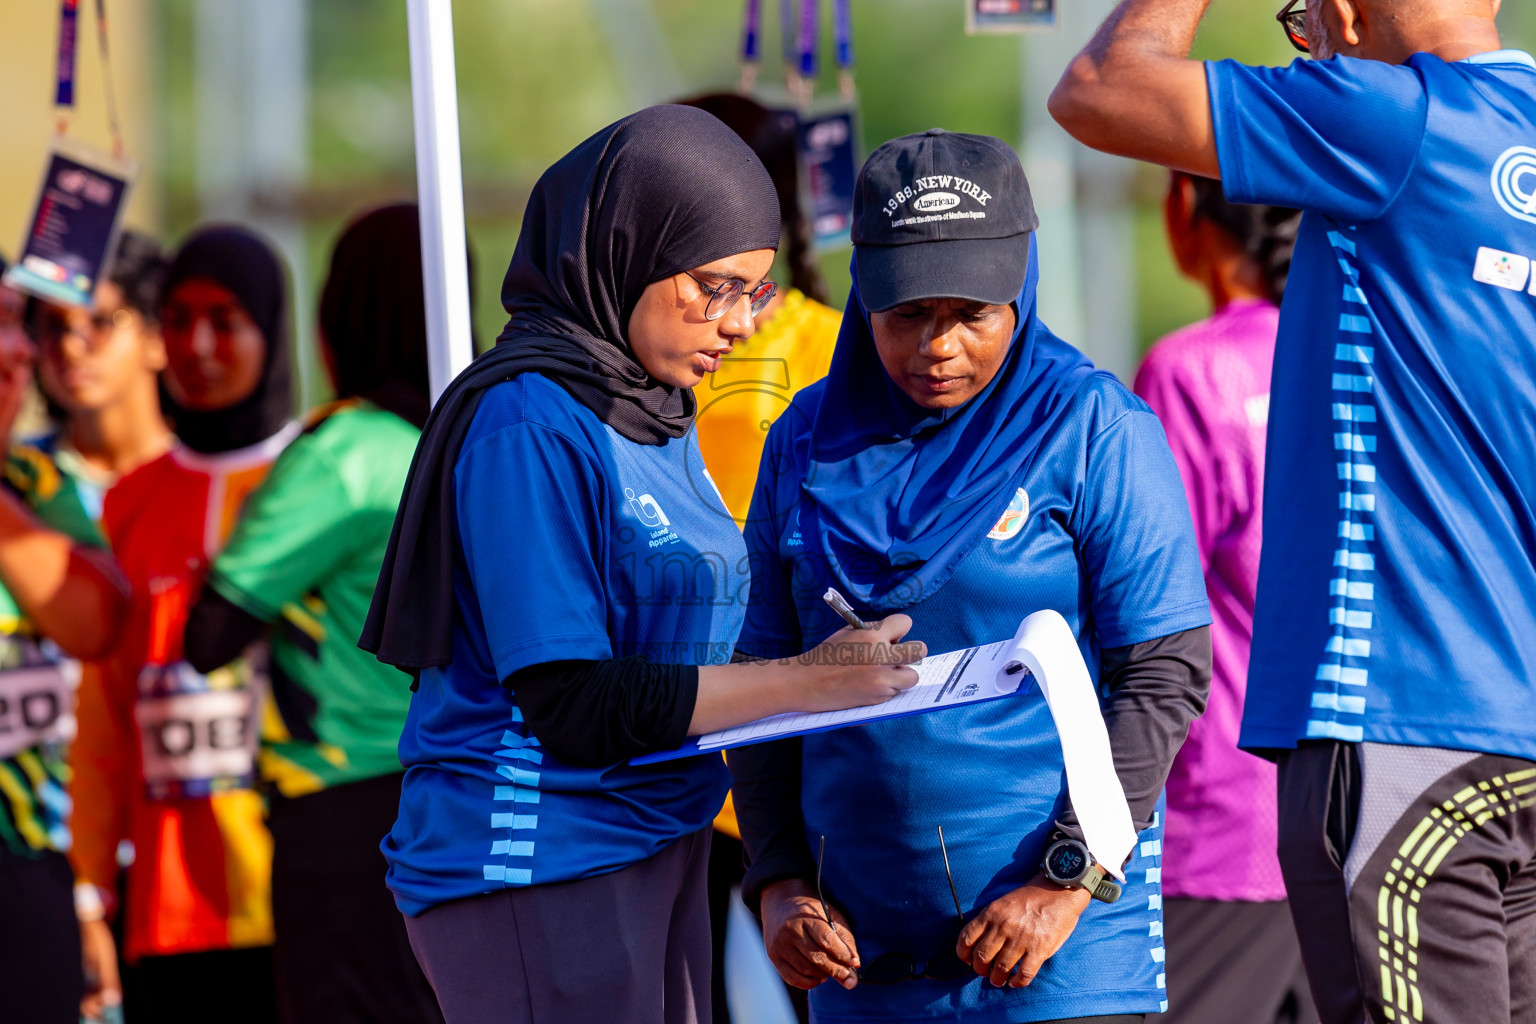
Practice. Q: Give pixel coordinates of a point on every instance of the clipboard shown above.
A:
(1042, 653)
(953, 679)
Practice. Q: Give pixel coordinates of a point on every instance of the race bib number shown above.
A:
(197, 733)
(37, 706)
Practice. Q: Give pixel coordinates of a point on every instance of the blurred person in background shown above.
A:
(100, 371)
(1232, 948)
(59, 599)
(303, 561)
(796, 333)
(167, 754)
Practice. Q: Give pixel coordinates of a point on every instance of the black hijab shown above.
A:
(373, 313)
(659, 192)
(247, 266)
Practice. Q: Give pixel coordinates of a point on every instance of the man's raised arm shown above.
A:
(1134, 92)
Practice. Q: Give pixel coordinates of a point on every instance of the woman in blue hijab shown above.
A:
(964, 466)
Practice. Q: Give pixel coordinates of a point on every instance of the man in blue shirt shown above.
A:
(1395, 632)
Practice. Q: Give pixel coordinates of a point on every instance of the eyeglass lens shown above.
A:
(725, 297)
(1294, 22)
(93, 332)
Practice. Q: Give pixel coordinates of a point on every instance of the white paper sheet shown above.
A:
(943, 680)
(1046, 646)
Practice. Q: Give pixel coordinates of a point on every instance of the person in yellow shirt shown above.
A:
(792, 348)
(795, 333)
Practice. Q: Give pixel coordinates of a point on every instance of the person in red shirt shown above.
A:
(167, 755)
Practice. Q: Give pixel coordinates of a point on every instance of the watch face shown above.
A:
(1067, 861)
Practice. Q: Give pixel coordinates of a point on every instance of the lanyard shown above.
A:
(64, 90)
(751, 43)
(751, 33)
(787, 32)
(808, 40)
(842, 27)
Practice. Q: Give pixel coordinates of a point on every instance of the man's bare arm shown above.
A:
(1134, 92)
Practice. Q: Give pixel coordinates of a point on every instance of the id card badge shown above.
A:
(198, 734)
(829, 169)
(1010, 16)
(37, 696)
(71, 236)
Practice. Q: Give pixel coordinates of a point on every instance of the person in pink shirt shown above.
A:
(1231, 947)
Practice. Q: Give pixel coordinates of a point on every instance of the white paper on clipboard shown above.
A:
(1045, 651)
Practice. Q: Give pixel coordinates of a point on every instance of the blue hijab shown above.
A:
(899, 494)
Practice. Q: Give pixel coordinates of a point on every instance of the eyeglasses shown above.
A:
(723, 297)
(1295, 24)
(894, 968)
(93, 332)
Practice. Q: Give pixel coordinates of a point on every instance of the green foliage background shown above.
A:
(537, 76)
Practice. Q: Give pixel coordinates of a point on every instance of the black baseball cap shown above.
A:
(942, 215)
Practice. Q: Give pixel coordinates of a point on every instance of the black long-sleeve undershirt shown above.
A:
(218, 631)
(1156, 689)
(596, 713)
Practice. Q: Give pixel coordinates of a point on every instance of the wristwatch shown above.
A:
(1068, 862)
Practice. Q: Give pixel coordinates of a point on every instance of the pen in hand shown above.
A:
(840, 605)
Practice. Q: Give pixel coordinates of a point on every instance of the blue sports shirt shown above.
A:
(1397, 589)
(577, 544)
(1099, 531)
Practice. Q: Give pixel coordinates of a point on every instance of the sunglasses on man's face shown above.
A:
(894, 968)
(1293, 19)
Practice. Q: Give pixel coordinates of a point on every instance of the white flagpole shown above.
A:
(439, 189)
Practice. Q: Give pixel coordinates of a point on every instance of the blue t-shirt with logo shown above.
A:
(1099, 531)
(1397, 589)
(577, 544)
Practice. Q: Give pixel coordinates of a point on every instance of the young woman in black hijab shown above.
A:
(568, 585)
(304, 559)
(166, 755)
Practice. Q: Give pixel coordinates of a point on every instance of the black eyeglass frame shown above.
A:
(724, 296)
(1294, 24)
(900, 967)
(52, 327)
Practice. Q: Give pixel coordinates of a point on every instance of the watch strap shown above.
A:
(1100, 885)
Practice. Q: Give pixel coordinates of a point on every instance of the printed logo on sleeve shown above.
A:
(1514, 182)
(1012, 520)
(1501, 269)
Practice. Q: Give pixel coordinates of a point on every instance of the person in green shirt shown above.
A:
(301, 567)
(60, 598)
